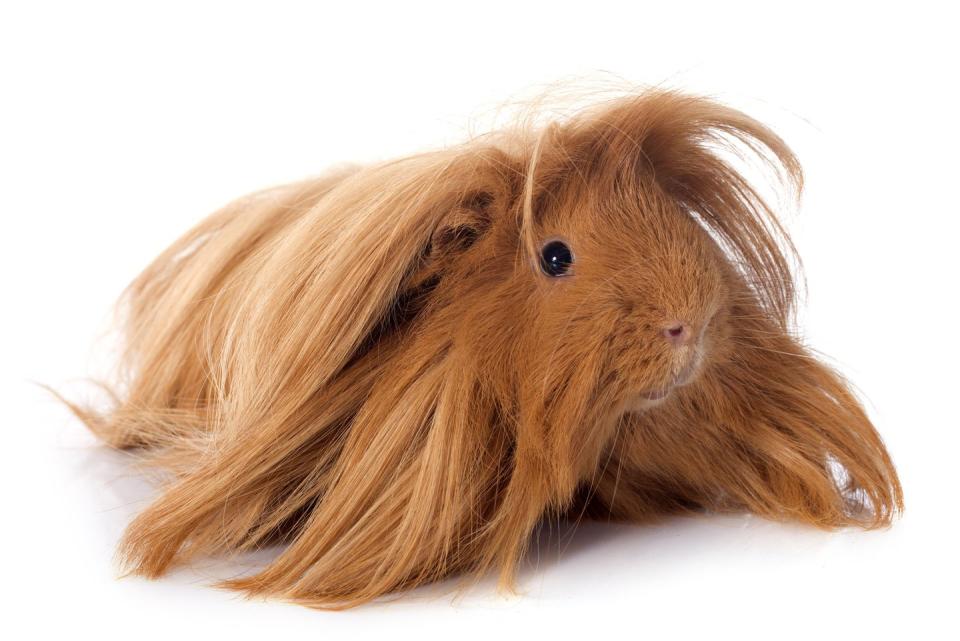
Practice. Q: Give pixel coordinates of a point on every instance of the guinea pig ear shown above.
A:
(465, 224)
(454, 234)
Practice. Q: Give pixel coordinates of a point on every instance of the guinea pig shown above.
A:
(397, 371)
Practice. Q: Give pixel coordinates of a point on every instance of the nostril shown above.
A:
(678, 333)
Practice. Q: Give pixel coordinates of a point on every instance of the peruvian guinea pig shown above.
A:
(397, 371)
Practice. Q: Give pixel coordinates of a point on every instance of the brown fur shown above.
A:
(372, 368)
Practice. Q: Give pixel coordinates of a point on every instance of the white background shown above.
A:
(122, 126)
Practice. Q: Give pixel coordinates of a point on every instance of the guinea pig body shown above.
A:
(399, 370)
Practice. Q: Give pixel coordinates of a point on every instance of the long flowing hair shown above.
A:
(319, 365)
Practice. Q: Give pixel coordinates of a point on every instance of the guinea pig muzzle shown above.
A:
(686, 362)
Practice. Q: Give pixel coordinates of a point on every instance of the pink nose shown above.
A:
(678, 333)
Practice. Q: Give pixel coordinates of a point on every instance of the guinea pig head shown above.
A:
(601, 285)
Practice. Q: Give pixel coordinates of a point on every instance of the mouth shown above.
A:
(646, 400)
(652, 397)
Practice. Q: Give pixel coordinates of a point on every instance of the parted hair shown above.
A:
(396, 371)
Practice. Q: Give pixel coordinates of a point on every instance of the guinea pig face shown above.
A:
(630, 293)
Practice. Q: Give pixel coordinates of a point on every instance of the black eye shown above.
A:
(555, 258)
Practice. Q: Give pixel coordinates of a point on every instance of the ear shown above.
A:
(769, 429)
(454, 234)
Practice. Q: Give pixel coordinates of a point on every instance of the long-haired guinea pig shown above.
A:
(397, 371)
